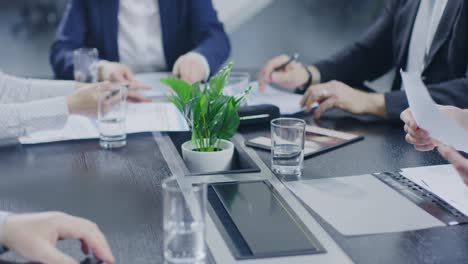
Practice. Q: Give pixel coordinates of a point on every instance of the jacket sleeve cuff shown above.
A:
(395, 103)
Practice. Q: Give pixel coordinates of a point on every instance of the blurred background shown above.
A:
(259, 29)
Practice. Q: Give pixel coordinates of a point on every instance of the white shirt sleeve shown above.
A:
(17, 120)
(16, 90)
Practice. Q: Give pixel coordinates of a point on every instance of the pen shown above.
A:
(112, 94)
(293, 58)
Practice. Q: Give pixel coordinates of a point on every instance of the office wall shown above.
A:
(315, 28)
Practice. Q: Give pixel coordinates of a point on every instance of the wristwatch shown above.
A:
(301, 89)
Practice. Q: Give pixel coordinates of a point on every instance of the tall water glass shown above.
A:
(237, 83)
(184, 222)
(85, 65)
(111, 116)
(287, 151)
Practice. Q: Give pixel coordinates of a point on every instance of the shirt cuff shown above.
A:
(204, 61)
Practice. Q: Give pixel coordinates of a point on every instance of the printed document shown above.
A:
(145, 117)
(442, 181)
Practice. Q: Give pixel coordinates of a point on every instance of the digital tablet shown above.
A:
(317, 140)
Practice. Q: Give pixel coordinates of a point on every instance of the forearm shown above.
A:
(42, 89)
(17, 120)
(376, 105)
(17, 90)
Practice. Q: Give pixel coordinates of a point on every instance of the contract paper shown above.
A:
(145, 117)
(361, 205)
(442, 181)
(153, 80)
(288, 102)
(428, 116)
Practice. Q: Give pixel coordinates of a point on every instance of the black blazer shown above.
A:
(385, 46)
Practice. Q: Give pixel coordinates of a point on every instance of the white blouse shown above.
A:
(140, 36)
(28, 105)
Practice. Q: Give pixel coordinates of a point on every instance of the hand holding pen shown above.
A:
(285, 71)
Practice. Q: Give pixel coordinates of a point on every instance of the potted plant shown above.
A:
(212, 118)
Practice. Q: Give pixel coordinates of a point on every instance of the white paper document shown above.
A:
(428, 116)
(288, 102)
(153, 80)
(361, 205)
(442, 181)
(145, 117)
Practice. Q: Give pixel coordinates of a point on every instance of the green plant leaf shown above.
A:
(176, 101)
(210, 114)
(219, 80)
(231, 121)
(182, 89)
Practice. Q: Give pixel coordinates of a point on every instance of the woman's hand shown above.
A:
(34, 237)
(119, 73)
(191, 67)
(85, 101)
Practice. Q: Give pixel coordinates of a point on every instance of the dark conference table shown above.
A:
(121, 191)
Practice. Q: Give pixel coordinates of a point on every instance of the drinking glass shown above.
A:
(111, 116)
(287, 146)
(237, 83)
(85, 61)
(184, 222)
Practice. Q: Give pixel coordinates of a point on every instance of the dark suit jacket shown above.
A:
(385, 46)
(187, 25)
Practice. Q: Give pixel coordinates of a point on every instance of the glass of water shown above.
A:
(237, 83)
(287, 146)
(85, 65)
(184, 222)
(111, 116)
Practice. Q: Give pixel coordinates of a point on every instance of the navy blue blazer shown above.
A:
(187, 25)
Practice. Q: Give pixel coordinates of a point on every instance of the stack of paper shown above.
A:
(147, 117)
(288, 102)
(442, 181)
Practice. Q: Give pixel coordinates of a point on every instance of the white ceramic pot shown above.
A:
(200, 162)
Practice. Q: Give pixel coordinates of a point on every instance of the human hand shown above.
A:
(120, 73)
(337, 94)
(414, 134)
(85, 101)
(34, 237)
(291, 77)
(456, 159)
(191, 67)
(419, 137)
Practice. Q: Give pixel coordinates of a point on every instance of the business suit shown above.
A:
(187, 25)
(385, 46)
